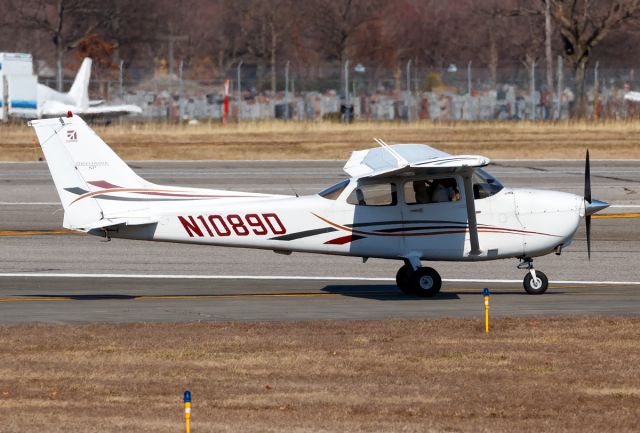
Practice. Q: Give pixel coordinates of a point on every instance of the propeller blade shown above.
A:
(587, 179)
(588, 227)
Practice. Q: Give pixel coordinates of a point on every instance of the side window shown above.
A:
(431, 191)
(378, 194)
(485, 185)
(332, 192)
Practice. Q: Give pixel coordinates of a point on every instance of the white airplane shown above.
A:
(407, 202)
(52, 103)
(632, 96)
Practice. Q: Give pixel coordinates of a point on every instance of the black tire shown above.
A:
(402, 279)
(425, 282)
(538, 287)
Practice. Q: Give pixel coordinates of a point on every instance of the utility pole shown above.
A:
(181, 90)
(347, 99)
(596, 91)
(408, 94)
(346, 83)
(286, 91)
(560, 86)
(532, 89)
(121, 78)
(547, 43)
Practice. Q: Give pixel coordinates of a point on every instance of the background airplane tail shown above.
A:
(79, 91)
(82, 165)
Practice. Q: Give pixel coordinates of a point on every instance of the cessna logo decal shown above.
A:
(72, 135)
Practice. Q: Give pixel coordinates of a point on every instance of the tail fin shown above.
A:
(81, 164)
(79, 91)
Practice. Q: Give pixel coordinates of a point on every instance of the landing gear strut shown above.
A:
(421, 281)
(535, 282)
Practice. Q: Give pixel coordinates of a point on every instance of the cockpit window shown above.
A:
(374, 194)
(334, 191)
(425, 191)
(485, 185)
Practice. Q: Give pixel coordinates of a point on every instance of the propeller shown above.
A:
(587, 198)
(591, 206)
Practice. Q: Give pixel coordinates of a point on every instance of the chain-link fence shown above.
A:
(408, 93)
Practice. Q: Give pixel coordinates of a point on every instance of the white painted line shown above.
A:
(192, 277)
(464, 280)
(625, 205)
(282, 277)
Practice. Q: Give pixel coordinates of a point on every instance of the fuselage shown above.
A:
(511, 222)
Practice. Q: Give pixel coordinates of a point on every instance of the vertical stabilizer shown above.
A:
(79, 92)
(81, 164)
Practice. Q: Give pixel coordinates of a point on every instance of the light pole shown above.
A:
(408, 94)
(238, 70)
(286, 91)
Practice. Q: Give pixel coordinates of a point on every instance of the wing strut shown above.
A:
(471, 212)
(403, 162)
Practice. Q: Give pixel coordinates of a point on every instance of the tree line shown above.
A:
(213, 36)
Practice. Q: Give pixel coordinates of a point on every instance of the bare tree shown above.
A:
(67, 22)
(266, 27)
(334, 23)
(583, 24)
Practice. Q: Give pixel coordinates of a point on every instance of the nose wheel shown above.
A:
(534, 282)
(423, 281)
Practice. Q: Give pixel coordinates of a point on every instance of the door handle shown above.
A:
(416, 210)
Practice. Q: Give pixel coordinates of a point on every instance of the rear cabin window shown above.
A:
(431, 191)
(334, 191)
(379, 194)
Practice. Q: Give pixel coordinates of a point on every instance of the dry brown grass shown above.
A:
(324, 140)
(578, 374)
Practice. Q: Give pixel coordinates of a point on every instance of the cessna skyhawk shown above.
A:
(406, 202)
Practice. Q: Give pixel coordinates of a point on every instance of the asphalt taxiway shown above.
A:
(33, 249)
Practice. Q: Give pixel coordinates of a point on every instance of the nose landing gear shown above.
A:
(535, 282)
(418, 281)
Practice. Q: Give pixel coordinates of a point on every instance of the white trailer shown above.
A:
(18, 87)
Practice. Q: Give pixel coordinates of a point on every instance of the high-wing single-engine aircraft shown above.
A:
(407, 202)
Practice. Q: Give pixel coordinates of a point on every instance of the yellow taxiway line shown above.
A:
(59, 232)
(617, 215)
(34, 299)
(37, 232)
(151, 298)
(8, 299)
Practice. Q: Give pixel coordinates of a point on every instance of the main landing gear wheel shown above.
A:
(536, 286)
(424, 282)
(402, 279)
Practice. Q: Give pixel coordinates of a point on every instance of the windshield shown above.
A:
(334, 191)
(484, 184)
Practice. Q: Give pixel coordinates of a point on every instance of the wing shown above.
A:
(52, 108)
(407, 159)
(419, 159)
(632, 96)
(112, 110)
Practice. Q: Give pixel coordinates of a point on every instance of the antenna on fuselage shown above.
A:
(393, 153)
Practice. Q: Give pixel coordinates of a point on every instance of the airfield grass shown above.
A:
(534, 374)
(329, 140)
